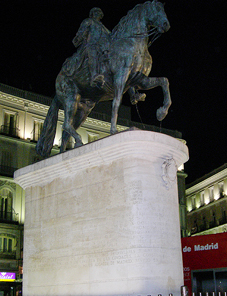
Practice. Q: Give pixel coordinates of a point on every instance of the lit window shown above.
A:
(7, 243)
(193, 202)
(37, 129)
(6, 198)
(202, 198)
(9, 126)
(221, 189)
(211, 194)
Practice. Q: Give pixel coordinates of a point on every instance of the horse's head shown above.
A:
(156, 16)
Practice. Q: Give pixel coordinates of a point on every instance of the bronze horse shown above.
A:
(126, 66)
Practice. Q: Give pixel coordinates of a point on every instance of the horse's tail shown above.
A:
(46, 140)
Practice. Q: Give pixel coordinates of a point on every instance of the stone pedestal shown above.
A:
(103, 219)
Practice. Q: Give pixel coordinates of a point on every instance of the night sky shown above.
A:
(36, 39)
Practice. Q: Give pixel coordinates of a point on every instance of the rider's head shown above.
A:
(96, 13)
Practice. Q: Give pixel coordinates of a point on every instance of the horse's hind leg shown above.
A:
(70, 110)
(64, 140)
(83, 110)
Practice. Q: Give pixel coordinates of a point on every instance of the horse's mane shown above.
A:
(127, 21)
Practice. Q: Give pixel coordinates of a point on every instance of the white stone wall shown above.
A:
(103, 219)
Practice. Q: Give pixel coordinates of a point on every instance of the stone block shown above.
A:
(103, 219)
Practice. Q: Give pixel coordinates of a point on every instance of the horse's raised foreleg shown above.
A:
(147, 83)
(135, 96)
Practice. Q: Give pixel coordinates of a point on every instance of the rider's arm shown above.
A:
(82, 32)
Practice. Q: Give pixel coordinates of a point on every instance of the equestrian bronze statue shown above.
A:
(104, 67)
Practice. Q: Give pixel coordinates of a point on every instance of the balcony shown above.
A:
(203, 227)
(4, 254)
(213, 224)
(8, 217)
(25, 94)
(7, 171)
(208, 225)
(9, 131)
(34, 137)
(194, 230)
(223, 221)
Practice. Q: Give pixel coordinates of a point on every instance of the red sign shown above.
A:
(203, 252)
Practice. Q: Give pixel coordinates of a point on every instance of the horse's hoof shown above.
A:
(161, 113)
(113, 132)
(76, 145)
(137, 97)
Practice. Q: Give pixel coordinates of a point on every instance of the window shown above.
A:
(194, 227)
(193, 202)
(37, 129)
(209, 281)
(6, 198)
(211, 194)
(204, 225)
(223, 219)
(213, 222)
(221, 189)
(221, 281)
(6, 158)
(4, 244)
(6, 163)
(10, 245)
(202, 201)
(7, 243)
(9, 124)
(203, 282)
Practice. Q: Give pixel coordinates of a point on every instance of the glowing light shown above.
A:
(189, 208)
(181, 168)
(217, 196)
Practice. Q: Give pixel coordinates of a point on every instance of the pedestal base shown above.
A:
(103, 219)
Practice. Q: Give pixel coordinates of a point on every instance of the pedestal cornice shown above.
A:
(136, 143)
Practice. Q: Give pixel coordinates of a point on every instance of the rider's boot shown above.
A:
(136, 97)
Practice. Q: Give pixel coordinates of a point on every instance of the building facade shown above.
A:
(205, 249)
(205, 266)
(22, 115)
(206, 201)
